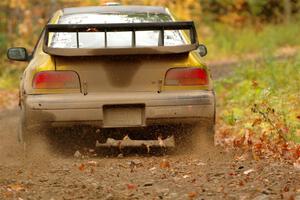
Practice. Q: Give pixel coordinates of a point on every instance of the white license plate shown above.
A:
(123, 116)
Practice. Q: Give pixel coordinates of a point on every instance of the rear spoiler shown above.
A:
(132, 27)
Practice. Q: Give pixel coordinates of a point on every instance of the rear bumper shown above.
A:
(162, 108)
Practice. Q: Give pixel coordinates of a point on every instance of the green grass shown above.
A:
(9, 71)
(272, 87)
(224, 41)
(9, 77)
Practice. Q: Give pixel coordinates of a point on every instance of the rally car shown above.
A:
(113, 69)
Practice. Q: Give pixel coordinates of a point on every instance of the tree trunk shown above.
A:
(287, 10)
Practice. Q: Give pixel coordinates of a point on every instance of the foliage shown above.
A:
(266, 102)
(226, 41)
(3, 43)
(240, 12)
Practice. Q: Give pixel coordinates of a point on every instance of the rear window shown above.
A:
(114, 39)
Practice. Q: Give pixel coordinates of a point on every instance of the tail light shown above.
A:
(186, 77)
(56, 80)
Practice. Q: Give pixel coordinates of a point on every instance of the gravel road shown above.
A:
(206, 173)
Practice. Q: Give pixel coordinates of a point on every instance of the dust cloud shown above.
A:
(13, 152)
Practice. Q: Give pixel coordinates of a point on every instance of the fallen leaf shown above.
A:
(288, 196)
(131, 186)
(8, 194)
(256, 122)
(81, 167)
(286, 189)
(164, 164)
(16, 187)
(192, 195)
(241, 183)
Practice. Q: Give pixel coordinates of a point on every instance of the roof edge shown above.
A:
(106, 9)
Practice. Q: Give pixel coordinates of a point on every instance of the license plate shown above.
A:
(121, 116)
